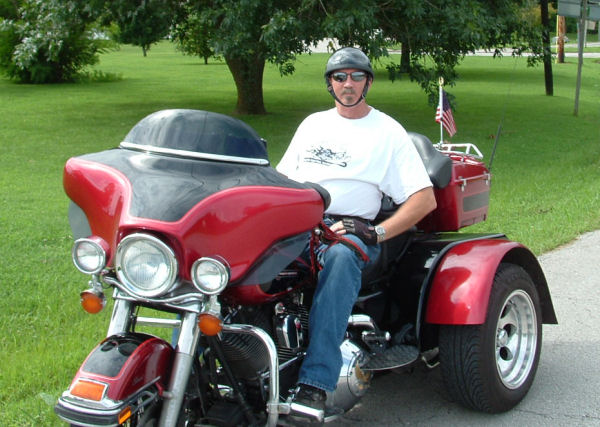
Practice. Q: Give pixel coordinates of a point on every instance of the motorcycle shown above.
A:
(187, 219)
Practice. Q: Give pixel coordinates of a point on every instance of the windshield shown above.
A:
(197, 134)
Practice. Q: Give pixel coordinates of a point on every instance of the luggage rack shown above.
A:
(462, 148)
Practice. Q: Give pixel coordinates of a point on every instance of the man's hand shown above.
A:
(364, 232)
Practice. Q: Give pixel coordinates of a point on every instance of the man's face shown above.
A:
(348, 84)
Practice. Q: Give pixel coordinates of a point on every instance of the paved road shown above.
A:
(566, 391)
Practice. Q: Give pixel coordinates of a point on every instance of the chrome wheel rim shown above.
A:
(516, 339)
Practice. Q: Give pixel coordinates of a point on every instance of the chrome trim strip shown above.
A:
(86, 407)
(192, 154)
(158, 322)
(194, 297)
(77, 405)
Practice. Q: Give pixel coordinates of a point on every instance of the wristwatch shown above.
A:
(380, 231)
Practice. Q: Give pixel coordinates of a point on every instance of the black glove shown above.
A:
(361, 229)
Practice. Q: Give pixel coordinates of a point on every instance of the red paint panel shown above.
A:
(461, 287)
(101, 192)
(151, 360)
(149, 363)
(464, 201)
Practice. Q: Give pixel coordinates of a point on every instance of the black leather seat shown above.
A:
(438, 166)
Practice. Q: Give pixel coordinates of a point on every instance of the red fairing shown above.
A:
(463, 281)
(101, 192)
(238, 223)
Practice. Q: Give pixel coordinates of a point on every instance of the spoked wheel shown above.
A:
(491, 367)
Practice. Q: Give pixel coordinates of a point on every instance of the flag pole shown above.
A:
(441, 108)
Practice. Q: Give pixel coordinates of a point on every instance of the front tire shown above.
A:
(490, 367)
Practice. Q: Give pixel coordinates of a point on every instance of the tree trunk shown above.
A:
(248, 76)
(405, 58)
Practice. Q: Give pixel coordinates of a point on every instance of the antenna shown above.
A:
(495, 144)
(499, 131)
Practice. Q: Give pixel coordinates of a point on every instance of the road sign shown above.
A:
(594, 12)
(569, 8)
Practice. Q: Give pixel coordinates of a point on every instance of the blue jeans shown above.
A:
(337, 290)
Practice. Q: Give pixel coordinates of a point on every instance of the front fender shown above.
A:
(113, 379)
(128, 363)
(463, 279)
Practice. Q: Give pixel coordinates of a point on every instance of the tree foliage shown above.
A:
(250, 33)
(49, 41)
(9, 9)
(141, 22)
(434, 35)
(190, 32)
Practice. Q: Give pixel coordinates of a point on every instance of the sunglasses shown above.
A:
(340, 76)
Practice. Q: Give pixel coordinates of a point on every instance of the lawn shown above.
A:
(545, 187)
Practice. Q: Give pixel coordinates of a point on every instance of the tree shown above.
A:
(437, 34)
(434, 35)
(250, 33)
(141, 22)
(49, 41)
(191, 35)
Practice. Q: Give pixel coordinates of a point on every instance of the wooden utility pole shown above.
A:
(580, 44)
(561, 29)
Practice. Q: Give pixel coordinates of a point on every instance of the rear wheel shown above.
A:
(490, 367)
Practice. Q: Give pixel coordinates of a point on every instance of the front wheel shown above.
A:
(490, 367)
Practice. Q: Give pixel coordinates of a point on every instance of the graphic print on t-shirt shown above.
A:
(327, 157)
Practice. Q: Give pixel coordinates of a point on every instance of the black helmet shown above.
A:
(348, 57)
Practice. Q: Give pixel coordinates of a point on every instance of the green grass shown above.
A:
(545, 187)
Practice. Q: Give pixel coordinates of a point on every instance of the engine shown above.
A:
(287, 323)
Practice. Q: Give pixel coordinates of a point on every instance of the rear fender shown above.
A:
(460, 288)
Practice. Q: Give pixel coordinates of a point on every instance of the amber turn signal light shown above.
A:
(124, 415)
(88, 390)
(209, 324)
(92, 301)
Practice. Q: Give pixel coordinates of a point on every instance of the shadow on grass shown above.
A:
(97, 76)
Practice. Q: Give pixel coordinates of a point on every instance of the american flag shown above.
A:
(444, 114)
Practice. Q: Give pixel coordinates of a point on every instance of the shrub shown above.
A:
(50, 41)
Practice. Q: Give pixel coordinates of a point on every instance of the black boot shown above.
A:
(308, 405)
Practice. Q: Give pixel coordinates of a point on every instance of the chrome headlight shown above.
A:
(89, 255)
(145, 265)
(210, 276)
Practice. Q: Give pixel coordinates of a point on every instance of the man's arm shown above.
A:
(411, 212)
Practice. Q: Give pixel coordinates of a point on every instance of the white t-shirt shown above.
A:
(356, 160)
